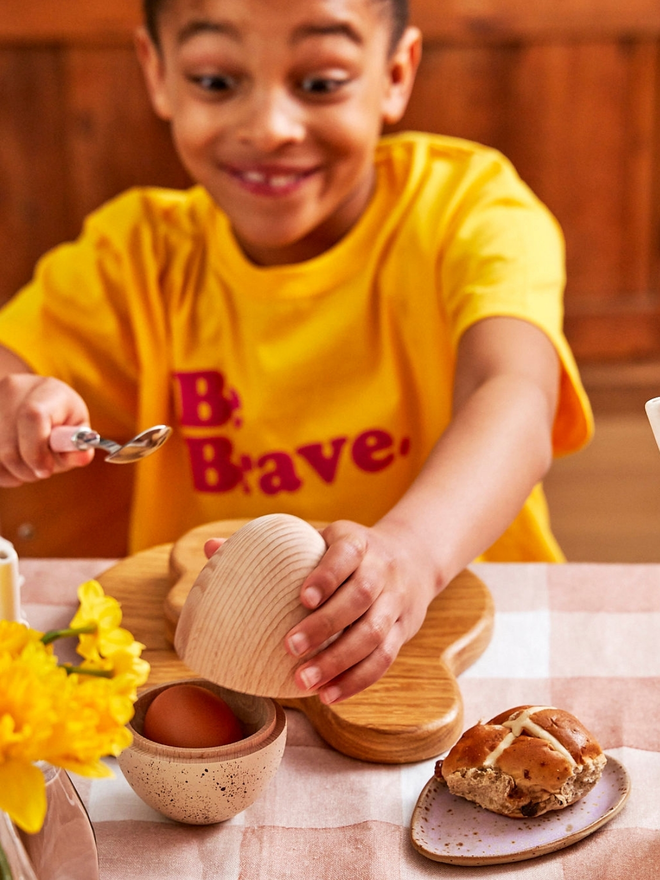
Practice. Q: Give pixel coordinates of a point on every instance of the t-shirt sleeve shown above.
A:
(504, 256)
(72, 322)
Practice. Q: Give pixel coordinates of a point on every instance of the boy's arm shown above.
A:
(30, 407)
(374, 585)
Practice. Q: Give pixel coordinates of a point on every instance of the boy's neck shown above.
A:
(319, 240)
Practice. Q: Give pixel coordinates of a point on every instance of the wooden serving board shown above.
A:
(413, 713)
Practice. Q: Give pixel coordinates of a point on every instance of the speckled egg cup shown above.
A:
(205, 786)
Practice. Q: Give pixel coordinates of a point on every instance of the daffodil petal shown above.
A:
(23, 794)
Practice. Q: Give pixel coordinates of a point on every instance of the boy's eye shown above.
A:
(322, 85)
(214, 83)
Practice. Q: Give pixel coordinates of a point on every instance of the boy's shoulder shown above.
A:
(448, 172)
(151, 209)
(420, 146)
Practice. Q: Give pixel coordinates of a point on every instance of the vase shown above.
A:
(65, 848)
(14, 861)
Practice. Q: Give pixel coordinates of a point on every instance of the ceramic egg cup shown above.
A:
(208, 785)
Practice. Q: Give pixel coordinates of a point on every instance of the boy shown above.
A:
(352, 330)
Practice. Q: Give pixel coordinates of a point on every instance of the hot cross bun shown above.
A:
(524, 762)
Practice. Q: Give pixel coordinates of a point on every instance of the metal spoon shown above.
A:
(67, 438)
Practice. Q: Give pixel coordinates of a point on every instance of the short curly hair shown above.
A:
(398, 11)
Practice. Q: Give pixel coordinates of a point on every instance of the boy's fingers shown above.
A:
(212, 545)
(65, 461)
(33, 431)
(14, 463)
(359, 641)
(38, 456)
(349, 603)
(48, 403)
(7, 480)
(346, 550)
(364, 673)
(32, 460)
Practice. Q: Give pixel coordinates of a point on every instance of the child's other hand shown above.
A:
(212, 545)
(372, 589)
(30, 407)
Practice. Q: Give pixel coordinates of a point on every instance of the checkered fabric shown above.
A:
(583, 637)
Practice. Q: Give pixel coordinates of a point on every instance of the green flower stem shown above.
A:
(55, 634)
(5, 869)
(81, 670)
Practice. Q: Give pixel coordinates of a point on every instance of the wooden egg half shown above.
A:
(244, 601)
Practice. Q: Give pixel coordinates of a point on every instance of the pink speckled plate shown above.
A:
(447, 828)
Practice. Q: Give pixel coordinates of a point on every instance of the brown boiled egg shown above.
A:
(190, 716)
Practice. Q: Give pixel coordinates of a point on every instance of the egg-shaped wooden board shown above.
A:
(414, 712)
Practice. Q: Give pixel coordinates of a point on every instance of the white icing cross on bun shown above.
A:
(520, 721)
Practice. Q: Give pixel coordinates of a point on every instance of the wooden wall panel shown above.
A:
(89, 21)
(34, 183)
(115, 139)
(587, 151)
(461, 91)
(557, 20)
(446, 20)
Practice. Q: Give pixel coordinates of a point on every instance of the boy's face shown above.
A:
(276, 107)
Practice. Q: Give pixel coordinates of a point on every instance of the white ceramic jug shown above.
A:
(10, 582)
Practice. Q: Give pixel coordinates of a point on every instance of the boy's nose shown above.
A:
(271, 118)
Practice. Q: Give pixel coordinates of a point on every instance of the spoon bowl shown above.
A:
(67, 438)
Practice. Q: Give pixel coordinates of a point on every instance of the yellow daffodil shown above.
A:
(23, 794)
(14, 637)
(101, 614)
(70, 717)
(30, 682)
(129, 671)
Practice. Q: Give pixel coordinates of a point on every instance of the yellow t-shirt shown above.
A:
(317, 388)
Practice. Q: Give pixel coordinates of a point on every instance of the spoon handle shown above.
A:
(652, 408)
(71, 438)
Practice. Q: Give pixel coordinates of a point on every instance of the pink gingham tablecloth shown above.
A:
(584, 637)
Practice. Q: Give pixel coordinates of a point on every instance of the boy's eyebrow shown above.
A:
(342, 29)
(303, 32)
(201, 26)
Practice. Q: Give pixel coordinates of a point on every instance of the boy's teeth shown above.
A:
(276, 180)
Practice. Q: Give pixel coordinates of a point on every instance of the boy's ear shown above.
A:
(402, 67)
(153, 68)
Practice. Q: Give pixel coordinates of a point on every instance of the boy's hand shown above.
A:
(372, 589)
(30, 407)
(372, 593)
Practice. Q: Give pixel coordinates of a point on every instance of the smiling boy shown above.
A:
(349, 328)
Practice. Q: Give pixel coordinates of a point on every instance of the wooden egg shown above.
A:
(244, 602)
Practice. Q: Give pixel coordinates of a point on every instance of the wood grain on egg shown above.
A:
(244, 602)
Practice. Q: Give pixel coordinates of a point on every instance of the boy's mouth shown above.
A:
(266, 181)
